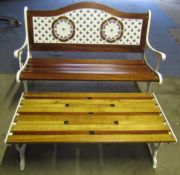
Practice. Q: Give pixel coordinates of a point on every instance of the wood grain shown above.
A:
(80, 95)
(81, 119)
(123, 138)
(69, 69)
(77, 117)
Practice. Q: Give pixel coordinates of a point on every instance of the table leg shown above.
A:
(21, 149)
(153, 148)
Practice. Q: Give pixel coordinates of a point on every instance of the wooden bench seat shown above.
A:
(87, 69)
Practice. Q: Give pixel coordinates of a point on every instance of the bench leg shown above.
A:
(77, 160)
(25, 86)
(149, 86)
(21, 149)
(101, 159)
(54, 154)
(153, 148)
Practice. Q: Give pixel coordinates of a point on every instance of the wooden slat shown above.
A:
(67, 66)
(86, 109)
(44, 64)
(88, 77)
(123, 138)
(87, 101)
(59, 128)
(73, 61)
(78, 95)
(113, 71)
(89, 119)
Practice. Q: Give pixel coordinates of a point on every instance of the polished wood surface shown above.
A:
(129, 138)
(89, 117)
(87, 69)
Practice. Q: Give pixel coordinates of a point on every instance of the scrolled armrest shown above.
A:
(159, 54)
(17, 53)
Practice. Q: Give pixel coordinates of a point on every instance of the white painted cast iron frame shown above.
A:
(159, 55)
(153, 147)
(155, 98)
(20, 148)
(18, 52)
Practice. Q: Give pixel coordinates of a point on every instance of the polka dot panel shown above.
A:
(87, 28)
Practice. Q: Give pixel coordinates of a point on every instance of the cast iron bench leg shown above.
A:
(153, 148)
(149, 86)
(25, 86)
(21, 149)
(101, 158)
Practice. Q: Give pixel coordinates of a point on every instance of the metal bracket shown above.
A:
(153, 148)
(21, 149)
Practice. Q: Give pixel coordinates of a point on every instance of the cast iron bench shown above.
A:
(87, 27)
(89, 118)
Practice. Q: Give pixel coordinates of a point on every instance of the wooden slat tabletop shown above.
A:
(89, 117)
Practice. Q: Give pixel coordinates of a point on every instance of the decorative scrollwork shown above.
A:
(111, 29)
(63, 29)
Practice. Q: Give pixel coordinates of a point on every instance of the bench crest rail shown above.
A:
(87, 27)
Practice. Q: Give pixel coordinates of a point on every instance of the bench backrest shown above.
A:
(87, 26)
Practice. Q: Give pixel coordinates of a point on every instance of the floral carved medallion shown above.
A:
(63, 29)
(111, 30)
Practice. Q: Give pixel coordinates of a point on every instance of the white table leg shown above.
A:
(21, 149)
(153, 148)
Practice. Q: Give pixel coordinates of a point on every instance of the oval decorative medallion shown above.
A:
(63, 29)
(111, 29)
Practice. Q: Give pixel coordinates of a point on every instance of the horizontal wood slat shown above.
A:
(75, 117)
(84, 61)
(86, 109)
(86, 101)
(88, 77)
(89, 119)
(90, 138)
(79, 95)
(89, 70)
(105, 127)
(68, 69)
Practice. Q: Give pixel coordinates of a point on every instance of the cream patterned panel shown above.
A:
(87, 26)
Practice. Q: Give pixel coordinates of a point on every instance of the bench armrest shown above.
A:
(154, 69)
(158, 53)
(19, 51)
